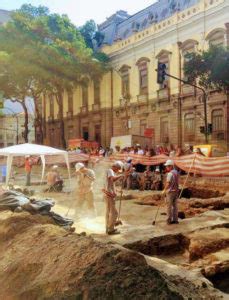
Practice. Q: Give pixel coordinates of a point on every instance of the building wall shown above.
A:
(158, 107)
(9, 128)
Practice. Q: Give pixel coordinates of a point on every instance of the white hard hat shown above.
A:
(169, 162)
(54, 167)
(79, 166)
(27, 156)
(118, 164)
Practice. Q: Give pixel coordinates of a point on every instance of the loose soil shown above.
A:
(39, 260)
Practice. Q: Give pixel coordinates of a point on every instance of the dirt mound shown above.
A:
(41, 260)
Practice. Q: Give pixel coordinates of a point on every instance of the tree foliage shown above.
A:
(210, 67)
(44, 53)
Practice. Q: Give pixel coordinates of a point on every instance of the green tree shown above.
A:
(48, 53)
(211, 68)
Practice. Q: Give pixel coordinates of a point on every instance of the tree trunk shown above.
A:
(26, 123)
(59, 97)
(38, 123)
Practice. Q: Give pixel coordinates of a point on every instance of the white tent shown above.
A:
(31, 149)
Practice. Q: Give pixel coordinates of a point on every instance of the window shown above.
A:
(85, 133)
(189, 126)
(70, 101)
(216, 37)
(70, 132)
(142, 64)
(124, 71)
(98, 133)
(85, 95)
(164, 129)
(51, 106)
(187, 47)
(217, 120)
(96, 92)
(143, 126)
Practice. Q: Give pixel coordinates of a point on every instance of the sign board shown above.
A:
(75, 143)
(149, 132)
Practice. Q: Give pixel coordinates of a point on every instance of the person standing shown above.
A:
(28, 169)
(110, 195)
(86, 178)
(172, 192)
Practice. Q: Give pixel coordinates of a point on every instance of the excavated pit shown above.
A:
(220, 281)
(200, 193)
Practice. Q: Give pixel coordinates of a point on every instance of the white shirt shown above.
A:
(109, 183)
(86, 181)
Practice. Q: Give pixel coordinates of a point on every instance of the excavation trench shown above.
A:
(197, 249)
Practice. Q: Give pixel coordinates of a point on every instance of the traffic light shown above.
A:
(161, 72)
(202, 129)
(209, 128)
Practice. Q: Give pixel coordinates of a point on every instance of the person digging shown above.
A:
(110, 195)
(171, 191)
(86, 178)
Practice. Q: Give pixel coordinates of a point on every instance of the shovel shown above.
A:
(119, 222)
(154, 222)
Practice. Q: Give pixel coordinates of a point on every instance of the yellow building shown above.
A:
(128, 99)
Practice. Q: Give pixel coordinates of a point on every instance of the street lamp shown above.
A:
(15, 115)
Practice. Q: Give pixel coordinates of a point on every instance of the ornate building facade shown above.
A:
(128, 99)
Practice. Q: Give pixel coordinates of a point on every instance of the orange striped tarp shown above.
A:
(193, 163)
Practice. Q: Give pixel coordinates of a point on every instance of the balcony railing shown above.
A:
(187, 90)
(69, 114)
(84, 109)
(163, 94)
(143, 97)
(50, 118)
(96, 107)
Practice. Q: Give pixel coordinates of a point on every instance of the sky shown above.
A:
(79, 11)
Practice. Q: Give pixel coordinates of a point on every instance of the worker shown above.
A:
(54, 180)
(172, 192)
(157, 180)
(110, 195)
(28, 169)
(86, 178)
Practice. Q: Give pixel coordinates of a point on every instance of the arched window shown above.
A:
(143, 75)
(96, 92)
(217, 120)
(188, 46)
(189, 126)
(216, 37)
(85, 95)
(218, 124)
(164, 124)
(51, 106)
(70, 100)
(125, 77)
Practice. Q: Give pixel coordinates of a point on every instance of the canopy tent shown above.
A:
(31, 149)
